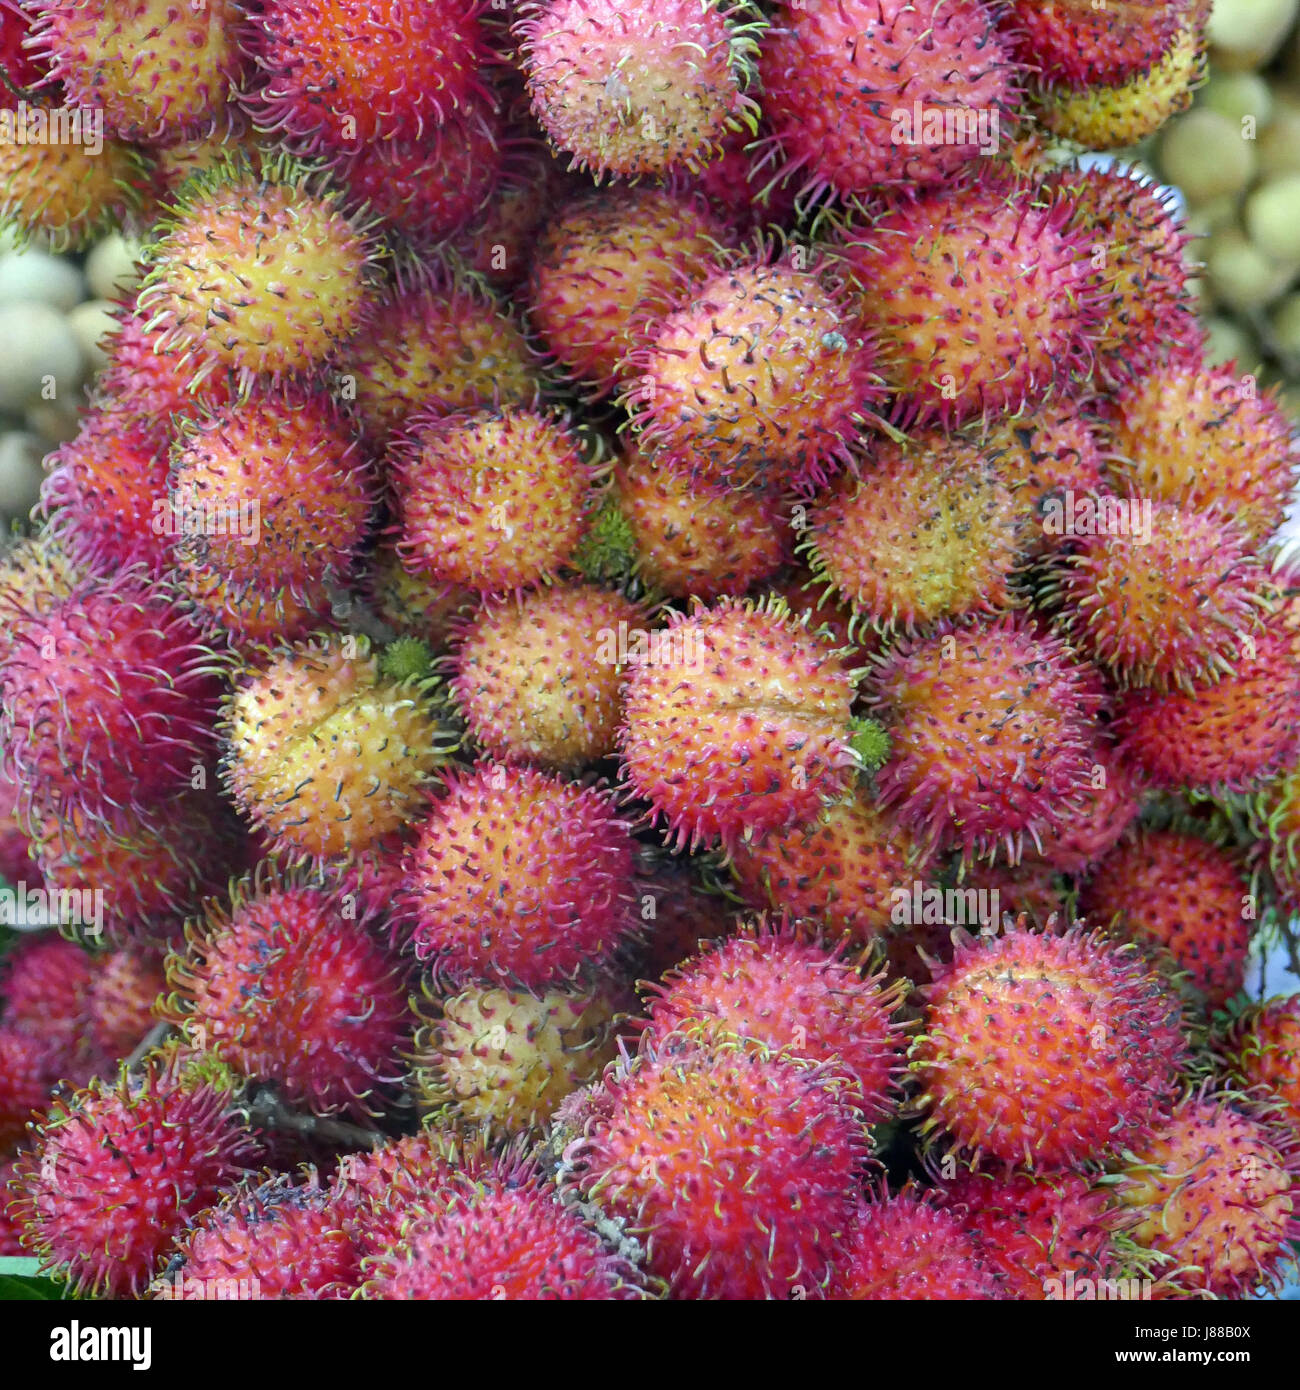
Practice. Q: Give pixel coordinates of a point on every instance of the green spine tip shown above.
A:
(608, 550)
(870, 742)
(406, 658)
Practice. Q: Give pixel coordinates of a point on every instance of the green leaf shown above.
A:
(22, 1281)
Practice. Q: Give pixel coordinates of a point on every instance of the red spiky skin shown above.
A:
(925, 532)
(494, 500)
(1204, 436)
(1227, 736)
(339, 73)
(1186, 895)
(607, 264)
(16, 863)
(839, 869)
(20, 67)
(271, 499)
(435, 347)
(34, 575)
(158, 70)
(429, 188)
(609, 85)
(290, 985)
(760, 372)
(1106, 808)
(1214, 1190)
(738, 1171)
(1032, 1230)
(116, 1171)
(120, 1003)
(700, 544)
(502, 1235)
(28, 1069)
(677, 917)
(372, 1193)
(143, 387)
(1078, 44)
(834, 75)
(109, 700)
(258, 274)
(999, 1057)
(531, 678)
(44, 987)
(739, 187)
(518, 877)
(10, 1230)
(741, 725)
(269, 1240)
(907, 1247)
(1172, 609)
(1141, 267)
(1263, 1050)
(778, 984)
(101, 495)
(992, 732)
(979, 295)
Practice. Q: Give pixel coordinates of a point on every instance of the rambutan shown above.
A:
(1139, 263)
(45, 983)
(27, 1074)
(1262, 1049)
(741, 724)
(541, 678)
(270, 497)
(64, 190)
(998, 1058)
(1203, 436)
(20, 71)
(338, 73)
(118, 1168)
(1186, 895)
(777, 984)
(439, 347)
(494, 500)
(258, 273)
(1164, 597)
(500, 1234)
(372, 1193)
(157, 70)
(740, 187)
(109, 700)
(1078, 45)
(991, 732)
(126, 985)
(761, 371)
(862, 94)
(325, 755)
(701, 544)
(1043, 456)
(926, 531)
(1214, 1193)
(16, 862)
(1104, 809)
(518, 877)
(35, 574)
(291, 985)
(612, 85)
(267, 1238)
(607, 265)
(1107, 117)
(909, 1247)
(142, 387)
(153, 865)
(979, 293)
(737, 1169)
(1228, 736)
(678, 915)
(839, 869)
(507, 1057)
(1036, 1232)
(103, 492)
(432, 187)
(10, 1231)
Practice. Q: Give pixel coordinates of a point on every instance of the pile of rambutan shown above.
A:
(659, 668)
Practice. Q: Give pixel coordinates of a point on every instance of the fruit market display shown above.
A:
(657, 659)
